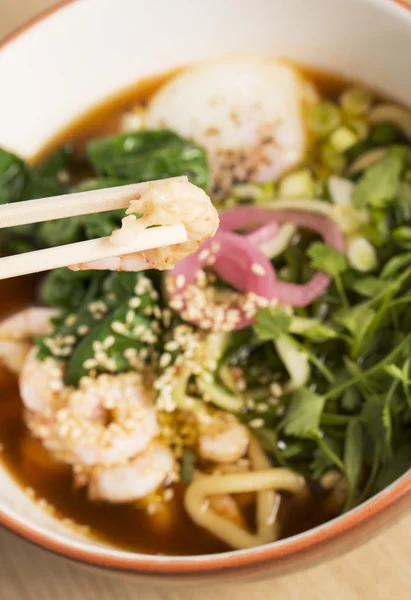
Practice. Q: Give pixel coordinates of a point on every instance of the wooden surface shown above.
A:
(379, 570)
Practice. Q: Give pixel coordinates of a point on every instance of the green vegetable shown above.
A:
(325, 258)
(392, 470)
(76, 229)
(304, 414)
(188, 467)
(13, 177)
(148, 155)
(380, 183)
(271, 324)
(342, 139)
(297, 184)
(356, 102)
(65, 289)
(323, 118)
(368, 286)
(353, 459)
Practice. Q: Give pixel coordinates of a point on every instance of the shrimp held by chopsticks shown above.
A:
(168, 203)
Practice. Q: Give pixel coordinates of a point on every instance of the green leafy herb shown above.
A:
(379, 184)
(392, 470)
(65, 289)
(271, 324)
(353, 459)
(147, 155)
(368, 286)
(13, 177)
(304, 414)
(325, 258)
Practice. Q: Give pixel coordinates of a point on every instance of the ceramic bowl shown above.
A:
(73, 57)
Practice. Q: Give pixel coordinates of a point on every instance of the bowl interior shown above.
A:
(63, 65)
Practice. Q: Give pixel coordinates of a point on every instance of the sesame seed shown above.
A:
(276, 390)
(258, 269)
(215, 247)
(180, 281)
(165, 360)
(134, 302)
(204, 254)
(83, 330)
(262, 407)
(168, 495)
(70, 320)
(256, 423)
(118, 327)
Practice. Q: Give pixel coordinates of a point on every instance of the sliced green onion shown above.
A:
(295, 361)
(361, 255)
(343, 138)
(356, 102)
(366, 160)
(323, 118)
(393, 114)
(332, 159)
(360, 128)
(297, 184)
(219, 396)
(340, 190)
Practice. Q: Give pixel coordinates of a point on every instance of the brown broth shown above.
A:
(126, 526)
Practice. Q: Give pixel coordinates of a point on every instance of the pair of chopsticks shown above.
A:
(73, 205)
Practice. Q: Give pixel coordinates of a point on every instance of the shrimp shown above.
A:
(168, 203)
(17, 331)
(222, 439)
(129, 482)
(104, 421)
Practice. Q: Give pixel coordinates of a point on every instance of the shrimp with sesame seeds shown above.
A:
(106, 420)
(222, 439)
(135, 479)
(17, 332)
(168, 203)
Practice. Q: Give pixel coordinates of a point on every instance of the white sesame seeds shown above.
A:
(168, 495)
(256, 423)
(70, 320)
(276, 390)
(83, 330)
(204, 254)
(134, 302)
(258, 269)
(165, 360)
(118, 327)
(180, 281)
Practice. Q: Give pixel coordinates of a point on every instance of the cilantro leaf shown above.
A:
(395, 265)
(368, 286)
(356, 320)
(322, 460)
(380, 183)
(271, 324)
(325, 258)
(392, 470)
(377, 416)
(397, 373)
(304, 414)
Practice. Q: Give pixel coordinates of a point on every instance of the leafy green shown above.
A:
(76, 229)
(325, 258)
(188, 467)
(356, 319)
(368, 286)
(65, 289)
(392, 470)
(147, 155)
(271, 324)
(378, 422)
(380, 183)
(395, 265)
(304, 414)
(13, 176)
(323, 460)
(353, 459)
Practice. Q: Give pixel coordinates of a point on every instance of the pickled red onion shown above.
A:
(289, 293)
(237, 262)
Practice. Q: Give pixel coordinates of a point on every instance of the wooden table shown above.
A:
(380, 570)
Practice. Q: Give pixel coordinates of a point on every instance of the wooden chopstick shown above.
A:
(81, 252)
(73, 205)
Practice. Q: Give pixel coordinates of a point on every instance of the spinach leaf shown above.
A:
(65, 289)
(146, 155)
(13, 177)
(380, 183)
(76, 229)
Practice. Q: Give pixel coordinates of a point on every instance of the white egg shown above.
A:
(248, 113)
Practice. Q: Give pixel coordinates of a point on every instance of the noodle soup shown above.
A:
(262, 386)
